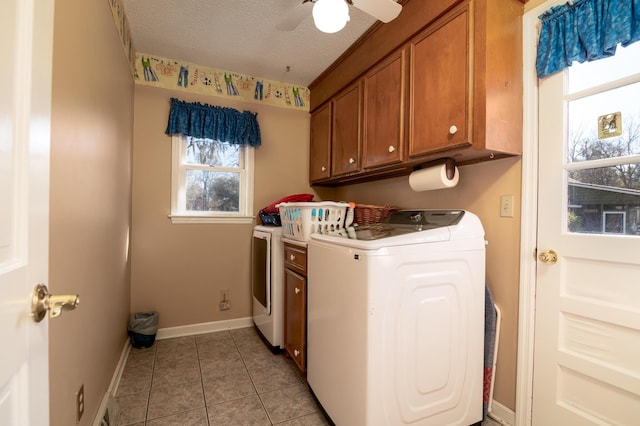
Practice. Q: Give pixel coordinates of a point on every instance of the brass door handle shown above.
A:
(42, 301)
(548, 256)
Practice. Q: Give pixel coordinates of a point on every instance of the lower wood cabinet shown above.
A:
(295, 303)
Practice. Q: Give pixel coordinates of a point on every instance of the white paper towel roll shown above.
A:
(432, 178)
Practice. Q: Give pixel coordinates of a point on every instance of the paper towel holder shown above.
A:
(450, 166)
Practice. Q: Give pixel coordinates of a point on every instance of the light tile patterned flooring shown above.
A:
(224, 378)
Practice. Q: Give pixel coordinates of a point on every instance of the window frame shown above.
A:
(612, 213)
(179, 167)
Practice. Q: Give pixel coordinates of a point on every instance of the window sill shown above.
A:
(178, 219)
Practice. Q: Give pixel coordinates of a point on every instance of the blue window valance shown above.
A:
(585, 30)
(212, 122)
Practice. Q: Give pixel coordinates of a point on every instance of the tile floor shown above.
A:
(225, 378)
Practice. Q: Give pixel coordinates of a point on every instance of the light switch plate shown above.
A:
(506, 205)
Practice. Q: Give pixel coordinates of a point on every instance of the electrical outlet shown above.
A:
(225, 303)
(79, 403)
(506, 205)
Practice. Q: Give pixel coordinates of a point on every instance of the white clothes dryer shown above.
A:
(267, 278)
(396, 320)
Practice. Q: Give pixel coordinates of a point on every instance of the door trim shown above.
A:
(529, 216)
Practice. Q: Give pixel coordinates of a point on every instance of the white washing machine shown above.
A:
(396, 320)
(267, 279)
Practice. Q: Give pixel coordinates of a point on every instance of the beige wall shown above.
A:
(179, 270)
(478, 191)
(92, 126)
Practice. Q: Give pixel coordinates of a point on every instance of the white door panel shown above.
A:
(26, 34)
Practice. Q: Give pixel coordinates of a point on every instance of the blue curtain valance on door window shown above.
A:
(585, 30)
(212, 122)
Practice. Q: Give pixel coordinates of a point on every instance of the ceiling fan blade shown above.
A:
(295, 16)
(382, 10)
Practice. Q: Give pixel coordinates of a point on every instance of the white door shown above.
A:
(587, 322)
(26, 37)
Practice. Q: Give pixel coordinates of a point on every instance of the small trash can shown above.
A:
(142, 329)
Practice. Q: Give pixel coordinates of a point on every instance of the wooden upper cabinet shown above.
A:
(384, 112)
(440, 85)
(452, 88)
(320, 149)
(346, 131)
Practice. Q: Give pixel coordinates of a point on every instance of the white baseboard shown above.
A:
(205, 327)
(502, 414)
(113, 386)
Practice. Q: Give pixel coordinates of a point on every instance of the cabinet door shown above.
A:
(346, 133)
(295, 327)
(384, 112)
(440, 85)
(320, 148)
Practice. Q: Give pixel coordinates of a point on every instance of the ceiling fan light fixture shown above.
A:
(330, 16)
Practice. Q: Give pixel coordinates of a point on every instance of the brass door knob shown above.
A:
(548, 256)
(42, 301)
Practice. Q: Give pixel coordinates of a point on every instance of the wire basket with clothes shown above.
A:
(367, 214)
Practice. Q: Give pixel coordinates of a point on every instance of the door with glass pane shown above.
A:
(587, 327)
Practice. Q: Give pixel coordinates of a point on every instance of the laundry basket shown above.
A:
(300, 220)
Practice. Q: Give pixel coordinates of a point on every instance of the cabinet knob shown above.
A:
(352, 160)
(323, 168)
(297, 290)
(391, 148)
(453, 130)
(296, 352)
(292, 257)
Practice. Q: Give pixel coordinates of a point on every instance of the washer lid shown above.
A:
(407, 221)
(421, 220)
(409, 227)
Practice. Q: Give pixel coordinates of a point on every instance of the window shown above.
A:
(603, 145)
(211, 181)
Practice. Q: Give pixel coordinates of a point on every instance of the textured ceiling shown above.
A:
(240, 36)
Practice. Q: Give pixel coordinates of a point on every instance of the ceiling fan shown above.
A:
(332, 15)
